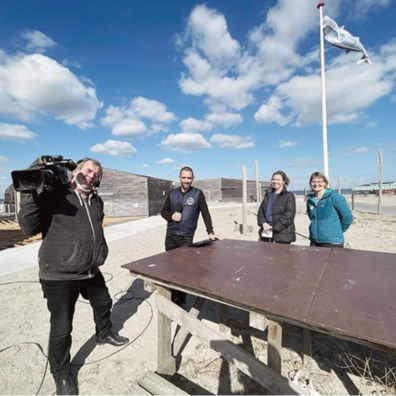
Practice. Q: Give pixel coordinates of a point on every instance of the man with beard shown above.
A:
(181, 210)
(70, 219)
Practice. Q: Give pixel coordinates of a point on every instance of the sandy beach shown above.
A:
(24, 324)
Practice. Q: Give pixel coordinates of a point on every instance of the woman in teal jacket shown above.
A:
(329, 213)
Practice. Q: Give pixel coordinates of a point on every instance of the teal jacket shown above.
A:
(330, 217)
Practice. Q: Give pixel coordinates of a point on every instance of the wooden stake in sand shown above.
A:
(380, 181)
(244, 200)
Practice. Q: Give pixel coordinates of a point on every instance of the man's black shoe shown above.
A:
(113, 339)
(66, 387)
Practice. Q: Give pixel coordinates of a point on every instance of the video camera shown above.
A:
(48, 172)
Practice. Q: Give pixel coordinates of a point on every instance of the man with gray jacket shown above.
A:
(70, 220)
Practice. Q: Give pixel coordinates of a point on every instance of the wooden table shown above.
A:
(346, 293)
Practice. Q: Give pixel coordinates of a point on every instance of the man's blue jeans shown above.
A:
(61, 298)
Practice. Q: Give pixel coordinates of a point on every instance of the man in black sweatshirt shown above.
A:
(70, 220)
(181, 210)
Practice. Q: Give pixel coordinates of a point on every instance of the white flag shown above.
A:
(340, 38)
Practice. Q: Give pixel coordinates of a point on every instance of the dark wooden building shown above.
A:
(229, 190)
(128, 194)
(124, 194)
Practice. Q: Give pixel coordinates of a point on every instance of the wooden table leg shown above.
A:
(166, 363)
(307, 345)
(223, 318)
(275, 345)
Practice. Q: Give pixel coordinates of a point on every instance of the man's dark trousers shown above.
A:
(61, 301)
(173, 242)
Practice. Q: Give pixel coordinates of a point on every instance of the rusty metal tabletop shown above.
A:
(344, 291)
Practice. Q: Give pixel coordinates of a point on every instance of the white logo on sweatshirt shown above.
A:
(190, 201)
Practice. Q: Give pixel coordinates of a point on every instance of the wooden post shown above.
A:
(275, 345)
(257, 183)
(244, 200)
(353, 200)
(380, 181)
(223, 318)
(165, 361)
(307, 344)
(339, 185)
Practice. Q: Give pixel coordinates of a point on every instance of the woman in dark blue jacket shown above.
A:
(329, 213)
(276, 214)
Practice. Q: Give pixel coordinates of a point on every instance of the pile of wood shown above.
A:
(12, 236)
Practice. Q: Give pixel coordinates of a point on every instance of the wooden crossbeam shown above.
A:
(244, 361)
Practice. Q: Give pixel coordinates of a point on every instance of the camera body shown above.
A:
(48, 172)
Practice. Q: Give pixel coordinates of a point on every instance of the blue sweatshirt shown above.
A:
(330, 217)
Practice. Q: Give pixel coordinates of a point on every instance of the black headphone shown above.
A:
(97, 183)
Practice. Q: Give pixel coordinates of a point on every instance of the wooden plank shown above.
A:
(244, 361)
(165, 361)
(157, 385)
(223, 318)
(136, 389)
(258, 321)
(183, 333)
(275, 345)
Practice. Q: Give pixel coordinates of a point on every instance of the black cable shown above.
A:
(121, 301)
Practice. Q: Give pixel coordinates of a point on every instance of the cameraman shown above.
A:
(70, 220)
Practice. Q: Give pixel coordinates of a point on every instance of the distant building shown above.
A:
(373, 188)
(229, 190)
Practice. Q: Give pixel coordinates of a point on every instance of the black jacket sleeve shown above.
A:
(166, 209)
(287, 218)
(261, 212)
(203, 207)
(30, 216)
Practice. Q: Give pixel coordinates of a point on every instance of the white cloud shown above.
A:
(304, 163)
(232, 141)
(38, 41)
(287, 143)
(211, 121)
(145, 166)
(15, 132)
(126, 120)
(350, 89)
(166, 161)
(270, 112)
(35, 85)
(224, 119)
(3, 159)
(211, 36)
(70, 63)
(130, 127)
(194, 125)
(361, 8)
(359, 150)
(185, 142)
(371, 124)
(152, 109)
(226, 72)
(114, 147)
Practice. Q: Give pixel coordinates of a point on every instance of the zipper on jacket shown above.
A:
(94, 239)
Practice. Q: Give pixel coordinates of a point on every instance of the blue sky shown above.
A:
(150, 86)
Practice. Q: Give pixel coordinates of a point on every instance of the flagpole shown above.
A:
(324, 109)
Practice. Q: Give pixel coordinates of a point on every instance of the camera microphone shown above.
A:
(179, 207)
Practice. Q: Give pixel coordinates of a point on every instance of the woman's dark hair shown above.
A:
(283, 176)
(321, 176)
